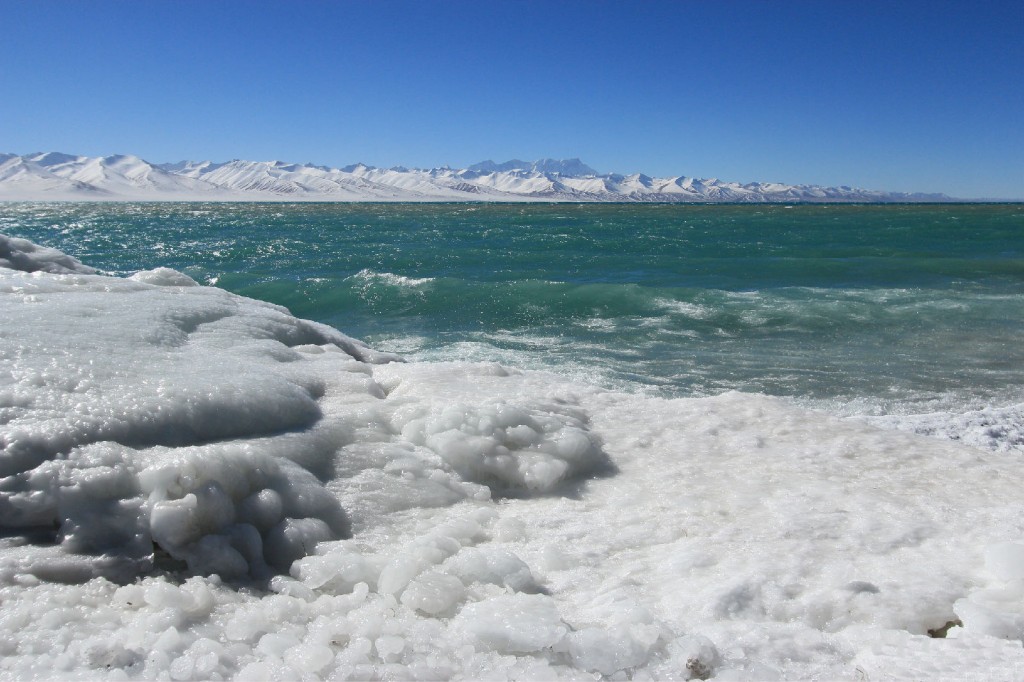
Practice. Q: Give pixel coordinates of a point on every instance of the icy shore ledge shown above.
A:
(196, 485)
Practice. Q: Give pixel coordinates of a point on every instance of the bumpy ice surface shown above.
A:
(195, 485)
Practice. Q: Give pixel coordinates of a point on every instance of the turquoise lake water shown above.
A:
(865, 309)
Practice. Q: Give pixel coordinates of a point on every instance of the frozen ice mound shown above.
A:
(525, 442)
(151, 410)
(21, 254)
(509, 447)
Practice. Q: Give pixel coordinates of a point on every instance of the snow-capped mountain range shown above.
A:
(55, 176)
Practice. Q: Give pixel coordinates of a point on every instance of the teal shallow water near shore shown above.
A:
(863, 308)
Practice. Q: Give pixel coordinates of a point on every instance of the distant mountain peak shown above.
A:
(50, 158)
(571, 168)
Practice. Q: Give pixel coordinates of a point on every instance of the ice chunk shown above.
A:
(514, 623)
(506, 446)
(997, 610)
(433, 593)
(21, 254)
(164, 277)
(294, 538)
(699, 653)
(309, 658)
(997, 613)
(608, 651)
(492, 565)
(338, 570)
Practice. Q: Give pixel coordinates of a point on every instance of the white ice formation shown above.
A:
(56, 176)
(197, 485)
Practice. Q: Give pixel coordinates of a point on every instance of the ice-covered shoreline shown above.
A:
(367, 518)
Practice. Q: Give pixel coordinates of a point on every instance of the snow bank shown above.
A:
(197, 485)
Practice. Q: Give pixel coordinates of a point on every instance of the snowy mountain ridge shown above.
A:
(49, 176)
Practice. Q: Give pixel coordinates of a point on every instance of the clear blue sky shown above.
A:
(906, 96)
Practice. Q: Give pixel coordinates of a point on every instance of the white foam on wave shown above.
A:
(280, 502)
(390, 278)
(686, 309)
